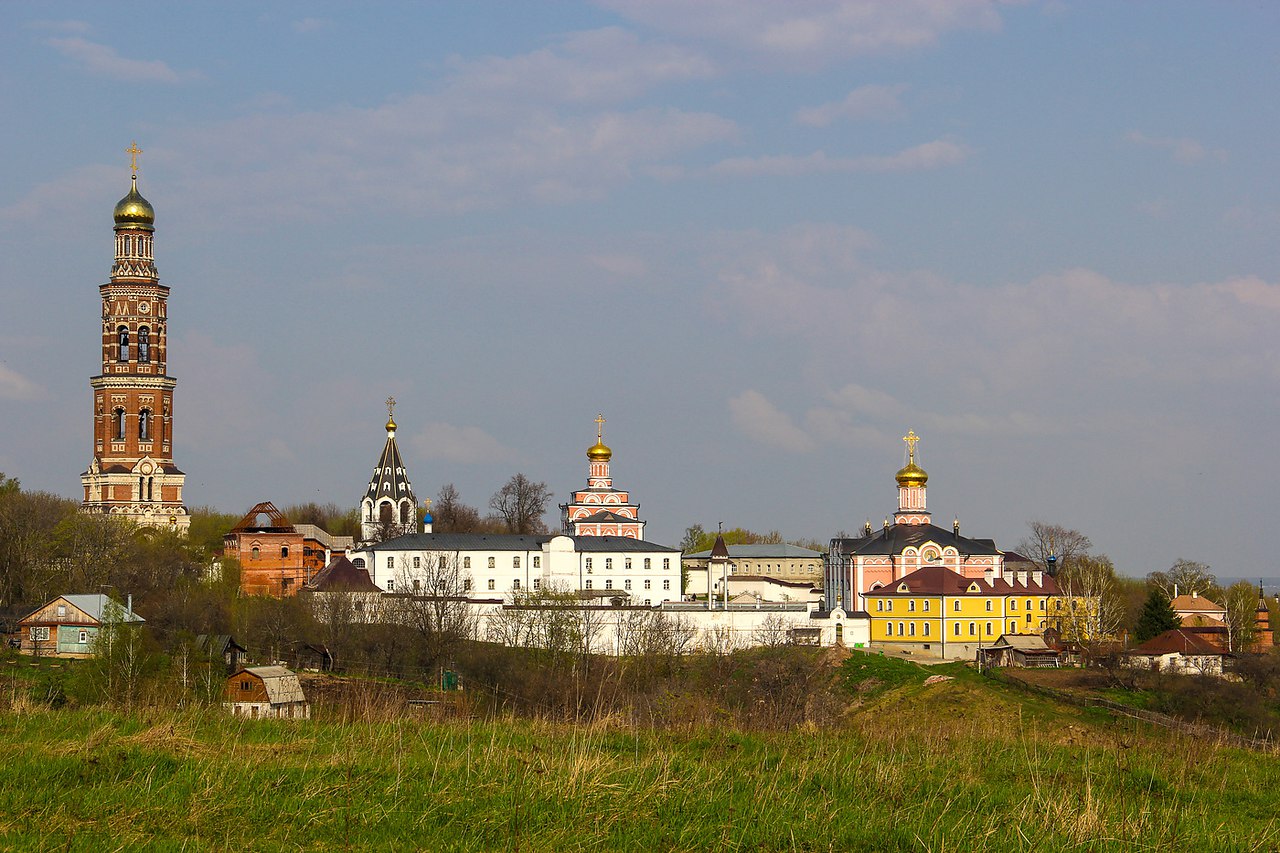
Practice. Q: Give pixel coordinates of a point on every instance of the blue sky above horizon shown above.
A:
(764, 239)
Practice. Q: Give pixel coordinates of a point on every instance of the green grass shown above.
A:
(963, 765)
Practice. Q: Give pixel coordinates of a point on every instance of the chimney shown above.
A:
(989, 575)
(1037, 577)
(1022, 576)
(1195, 593)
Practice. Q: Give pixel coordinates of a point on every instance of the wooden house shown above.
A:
(266, 692)
(1020, 650)
(222, 647)
(68, 626)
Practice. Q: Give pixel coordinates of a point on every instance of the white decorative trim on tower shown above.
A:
(600, 509)
(132, 474)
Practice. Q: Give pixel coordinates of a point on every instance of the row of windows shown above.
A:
(908, 629)
(886, 605)
(648, 563)
(144, 344)
(145, 421)
(626, 585)
(516, 584)
(256, 553)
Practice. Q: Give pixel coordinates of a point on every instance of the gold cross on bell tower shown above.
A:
(133, 151)
(600, 427)
(911, 438)
(391, 407)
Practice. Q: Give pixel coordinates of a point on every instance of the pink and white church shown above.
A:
(600, 509)
(855, 566)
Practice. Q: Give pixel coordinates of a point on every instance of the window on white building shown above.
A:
(515, 562)
(515, 584)
(666, 583)
(647, 582)
(466, 562)
(391, 562)
(647, 561)
(588, 564)
(666, 564)
(588, 586)
(417, 562)
(626, 584)
(608, 583)
(537, 583)
(466, 585)
(493, 562)
(491, 583)
(391, 584)
(417, 584)
(537, 562)
(608, 563)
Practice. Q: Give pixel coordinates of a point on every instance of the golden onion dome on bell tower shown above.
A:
(599, 452)
(134, 211)
(911, 474)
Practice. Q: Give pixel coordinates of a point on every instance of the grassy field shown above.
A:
(958, 765)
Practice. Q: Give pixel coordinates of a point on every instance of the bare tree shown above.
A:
(772, 632)
(452, 515)
(1053, 540)
(1241, 602)
(434, 604)
(521, 503)
(1090, 608)
(1185, 577)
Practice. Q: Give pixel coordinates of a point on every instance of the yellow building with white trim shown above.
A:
(935, 612)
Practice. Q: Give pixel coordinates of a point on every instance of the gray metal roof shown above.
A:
(510, 542)
(781, 551)
(95, 604)
(282, 684)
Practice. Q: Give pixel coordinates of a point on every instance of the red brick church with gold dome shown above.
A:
(132, 474)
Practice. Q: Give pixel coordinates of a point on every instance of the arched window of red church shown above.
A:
(144, 425)
(118, 426)
(144, 345)
(122, 343)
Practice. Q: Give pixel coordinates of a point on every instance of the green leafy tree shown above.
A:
(1157, 616)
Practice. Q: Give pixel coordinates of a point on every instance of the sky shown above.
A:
(763, 239)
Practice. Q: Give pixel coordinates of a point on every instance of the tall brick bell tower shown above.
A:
(132, 474)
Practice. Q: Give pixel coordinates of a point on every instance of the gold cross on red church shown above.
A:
(133, 151)
(911, 438)
(600, 427)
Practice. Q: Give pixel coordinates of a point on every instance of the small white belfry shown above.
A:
(389, 508)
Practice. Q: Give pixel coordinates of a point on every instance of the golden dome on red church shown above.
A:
(912, 475)
(598, 452)
(134, 211)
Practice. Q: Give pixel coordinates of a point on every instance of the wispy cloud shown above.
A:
(930, 155)
(467, 444)
(762, 421)
(105, 61)
(15, 386)
(1183, 150)
(814, 33)
(69, 26)
(863, 103)
(311, 25)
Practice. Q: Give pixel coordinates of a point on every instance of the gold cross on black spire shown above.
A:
(391, 406)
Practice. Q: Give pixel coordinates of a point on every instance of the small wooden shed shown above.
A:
(267, 691)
